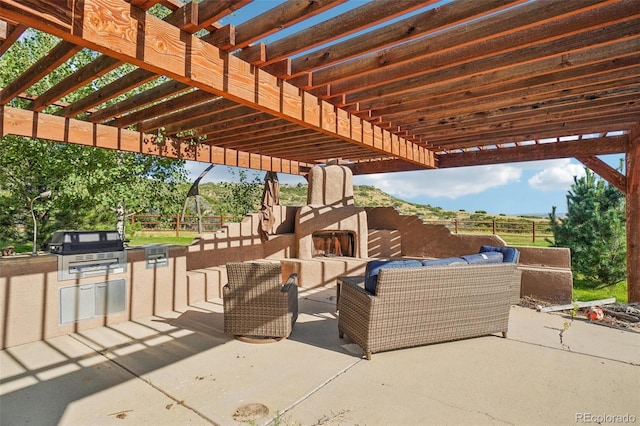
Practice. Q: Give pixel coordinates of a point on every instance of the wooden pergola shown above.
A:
(385, 86)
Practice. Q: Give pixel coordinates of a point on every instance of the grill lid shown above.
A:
(78, 242)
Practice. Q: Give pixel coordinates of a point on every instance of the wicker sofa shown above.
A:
(419, 305)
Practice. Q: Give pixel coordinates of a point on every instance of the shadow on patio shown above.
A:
(180, 368)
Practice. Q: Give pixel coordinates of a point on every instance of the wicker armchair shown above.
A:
(256, 304)
(424, 305)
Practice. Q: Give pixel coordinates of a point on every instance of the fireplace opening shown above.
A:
(333, 243)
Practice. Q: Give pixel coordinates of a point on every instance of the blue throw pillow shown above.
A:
(476, 259)
(449, 261)
(510, 254)
(483, 258)
(374, 266)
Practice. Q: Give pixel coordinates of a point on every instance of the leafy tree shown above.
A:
(594, 230)
(244, 195)
(88, 185)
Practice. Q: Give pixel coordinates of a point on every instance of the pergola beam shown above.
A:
(60, 129)
(557, 131)
(158, 47)
(580, 148)
(567, 149)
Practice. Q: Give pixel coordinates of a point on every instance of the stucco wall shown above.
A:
(29, 294)
(238, 242)
(421, 240)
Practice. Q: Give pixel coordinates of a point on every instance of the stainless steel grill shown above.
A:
(88, 253)
(94, 254)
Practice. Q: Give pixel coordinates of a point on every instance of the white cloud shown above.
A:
(557, 176)
(449, 183)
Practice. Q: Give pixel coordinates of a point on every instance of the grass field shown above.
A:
(583, 291)
(143, 240)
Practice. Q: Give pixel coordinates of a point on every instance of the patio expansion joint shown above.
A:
(106, 352)
(317, 389)
(566, 349)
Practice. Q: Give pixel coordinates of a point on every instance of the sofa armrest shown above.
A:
(291, 288)
(355, 296)
(292, 281)
(356, 307)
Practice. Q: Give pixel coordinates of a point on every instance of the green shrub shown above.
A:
(594, 230)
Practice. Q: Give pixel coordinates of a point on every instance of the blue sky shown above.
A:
(518, 188)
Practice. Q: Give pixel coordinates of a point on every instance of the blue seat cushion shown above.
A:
(510, 254)
(483, 258)
(374, 266)
(449, 261)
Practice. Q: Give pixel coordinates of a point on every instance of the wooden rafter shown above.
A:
(532, 88)
(56, 56)
(517, 64)
(110, 91)
(10, 33)
(237, 84)
(491, 36)
(409, 29)
(281, 16)
(145, 98)
(326, 31)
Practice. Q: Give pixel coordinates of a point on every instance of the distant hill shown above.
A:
(215, 195)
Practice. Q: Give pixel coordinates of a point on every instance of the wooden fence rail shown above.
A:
(150, 223)
(534, 228)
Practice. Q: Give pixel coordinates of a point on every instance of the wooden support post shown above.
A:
(633, 215)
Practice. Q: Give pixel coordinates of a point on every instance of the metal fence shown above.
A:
(152, 223)
(534, 229)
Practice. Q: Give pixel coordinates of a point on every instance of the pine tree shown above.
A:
(594, 230)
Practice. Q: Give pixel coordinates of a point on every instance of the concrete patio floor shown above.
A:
(179, 368)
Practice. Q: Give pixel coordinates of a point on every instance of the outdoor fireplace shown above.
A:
(330, 225)
(333, 243)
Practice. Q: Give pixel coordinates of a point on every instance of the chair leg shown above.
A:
(504, 334)
(340, 334)
(368, 355)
